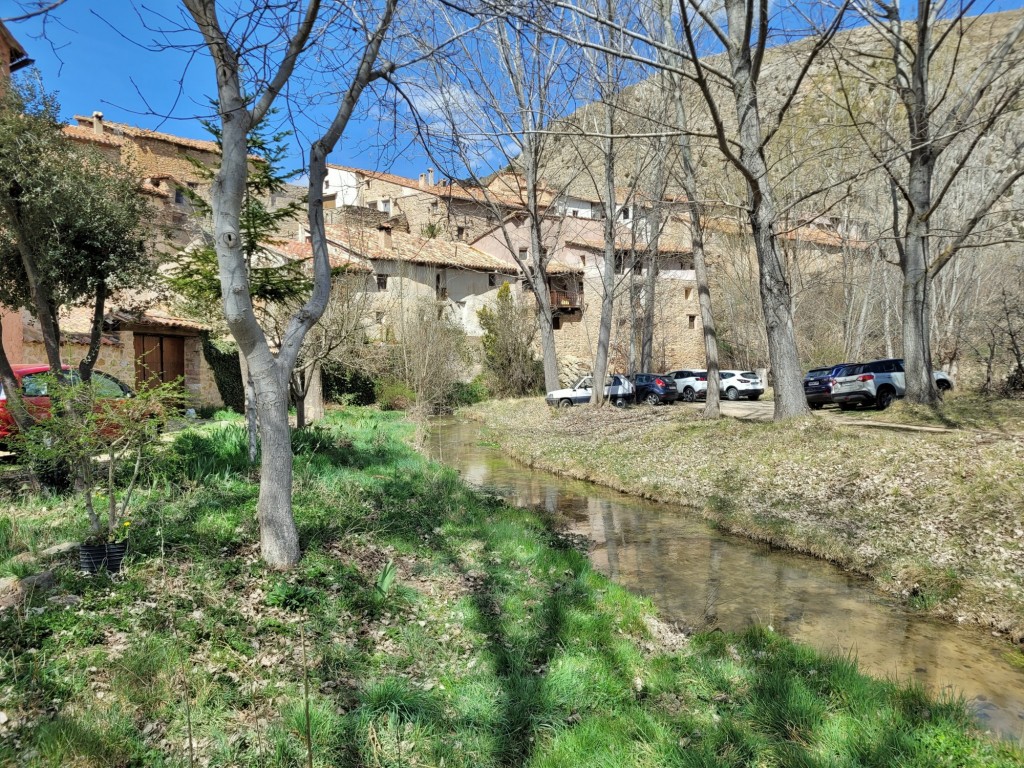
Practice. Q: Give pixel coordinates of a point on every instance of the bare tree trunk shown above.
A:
(917, 353)
(712, 402)
(604, 331)
(252, 419)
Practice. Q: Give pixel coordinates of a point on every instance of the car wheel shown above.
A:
(565, 403)
(817, 406)
(732, 393)
(884, 398)
(689, 395)
(943, 385)
(620, 402)
(651, 399)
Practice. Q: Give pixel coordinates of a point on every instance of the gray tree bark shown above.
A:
(239, 112)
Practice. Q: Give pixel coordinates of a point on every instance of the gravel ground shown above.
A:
(937, 519)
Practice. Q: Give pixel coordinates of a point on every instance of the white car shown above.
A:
(618, 389)
(737, 384)
(692, 385)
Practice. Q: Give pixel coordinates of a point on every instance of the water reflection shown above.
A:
(699, 577)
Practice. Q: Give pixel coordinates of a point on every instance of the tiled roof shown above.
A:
(802, 234)
(296, 249)
(452, 191)
(80, 133)
(158, 318)
(368, 244)
(561, 268)
(119, 129)
(626, 245)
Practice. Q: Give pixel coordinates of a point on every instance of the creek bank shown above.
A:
(934, 519)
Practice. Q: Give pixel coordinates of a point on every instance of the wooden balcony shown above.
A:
(566, 300)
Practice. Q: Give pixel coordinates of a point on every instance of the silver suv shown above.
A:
(877, 383)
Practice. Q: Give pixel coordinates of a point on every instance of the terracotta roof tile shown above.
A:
(119, 129)
(368, 244)
(561, 268)
(624, 245)
(452, 191)
(296, 249)
(80, 133)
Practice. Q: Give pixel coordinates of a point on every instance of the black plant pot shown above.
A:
(93, 557)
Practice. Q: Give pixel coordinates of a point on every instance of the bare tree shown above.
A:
(950, 113)
(745, 37)
(249, 81)
(498, 95)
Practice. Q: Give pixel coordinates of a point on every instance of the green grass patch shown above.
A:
(427, 624)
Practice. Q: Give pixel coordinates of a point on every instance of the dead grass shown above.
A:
(932, 517)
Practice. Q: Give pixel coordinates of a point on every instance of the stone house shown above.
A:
(138, 344)
(491, 219)
(12, 56)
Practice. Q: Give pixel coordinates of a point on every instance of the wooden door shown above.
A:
(158, 359)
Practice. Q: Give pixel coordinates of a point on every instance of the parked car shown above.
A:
(818, 385)
(618, 389)
(877, 384)
(654, 388)
(691, 385)
(737, 384)
(35, 380)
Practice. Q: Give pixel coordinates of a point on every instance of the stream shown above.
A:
(698, 576)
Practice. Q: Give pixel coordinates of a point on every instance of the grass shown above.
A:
(934, 518)
(959, 410)
(431, 625)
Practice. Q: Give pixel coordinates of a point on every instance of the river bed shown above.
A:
(700, 577)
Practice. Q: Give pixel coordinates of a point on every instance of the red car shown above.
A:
(34, 380)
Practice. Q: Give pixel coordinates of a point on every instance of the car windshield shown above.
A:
(587, 382)
(816, 372)
(749, 375)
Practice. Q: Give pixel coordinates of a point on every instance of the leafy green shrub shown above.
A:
(394, 395)
(509, 331)
(468, 393)
(344, 385)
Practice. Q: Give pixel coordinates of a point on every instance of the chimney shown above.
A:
(423, 181)
(430, 177)
(384, 236)
(97, 123)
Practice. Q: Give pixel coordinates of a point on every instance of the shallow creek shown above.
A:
(698, 576)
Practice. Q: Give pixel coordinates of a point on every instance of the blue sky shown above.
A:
(99, 56)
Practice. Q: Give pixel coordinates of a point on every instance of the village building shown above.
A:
(492, 219)
(12, 56)
(142, 341)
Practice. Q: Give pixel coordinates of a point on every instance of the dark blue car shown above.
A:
(818, 385)
(654, 388)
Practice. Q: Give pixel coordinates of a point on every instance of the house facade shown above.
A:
(492, 221)
(137, 345)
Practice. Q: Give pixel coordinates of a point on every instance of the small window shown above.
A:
(378, 317)
(687, 292)
(492, 280)
(193, 185)
(524, 254)
(625, 213)
(179, 197)
(556, 322)
(385, 205)
(583, 260)
(371, 204)
(433, 207)
(691, 322)
(382, 282)
(460, 233)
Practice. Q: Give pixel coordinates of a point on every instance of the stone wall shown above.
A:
(119, 361)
